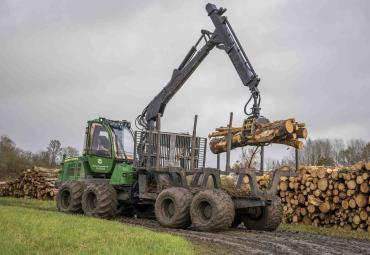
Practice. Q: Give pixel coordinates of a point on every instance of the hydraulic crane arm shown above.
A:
(223, 38)
(149, 116)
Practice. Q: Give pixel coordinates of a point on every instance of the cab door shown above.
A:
(100, 152)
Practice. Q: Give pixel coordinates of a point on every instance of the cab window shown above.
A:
(100, 142)
(124, 143)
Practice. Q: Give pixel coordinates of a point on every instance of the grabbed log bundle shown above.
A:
(281, 132)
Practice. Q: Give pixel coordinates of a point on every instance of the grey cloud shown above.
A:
(65, 62)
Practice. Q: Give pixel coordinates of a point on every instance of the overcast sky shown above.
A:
(65, 62)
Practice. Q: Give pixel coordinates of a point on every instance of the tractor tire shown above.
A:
(69, 197)
(172, 207)
(266, 218)
(212, 210)
(100, 200)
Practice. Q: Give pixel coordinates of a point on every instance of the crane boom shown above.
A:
(223, 38)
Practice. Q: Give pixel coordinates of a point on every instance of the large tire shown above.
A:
(100, 200)
(69, 197)
(172, 207)
(212, 210)
(265, 218)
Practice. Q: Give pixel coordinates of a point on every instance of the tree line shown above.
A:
(333, 152)
(319, 152)
(14, 159)
(316, 152)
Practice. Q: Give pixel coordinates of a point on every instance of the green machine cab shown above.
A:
(107, 155)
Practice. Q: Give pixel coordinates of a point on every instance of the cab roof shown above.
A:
(112, 123)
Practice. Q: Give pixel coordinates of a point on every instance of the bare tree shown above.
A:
(54, 149)
(338, 146)
(69, 151)
(13, 159)
(367, 152)
(248, 158)
(272, 164)
(356, 151)
(8, 154)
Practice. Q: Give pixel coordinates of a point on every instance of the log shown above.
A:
(291, 142)
(336, 199)
(283, 186)
(352, 203)
(364, 215)
(324, 207)
(314, 201)
(361, 200)
(302, 133)
(317, 193)
(335, 192)
(311, 209)
(281, 132)
(321, 172)
(341, 186)
(356, 219)
(307, 220)
(364, 187)
(365, 176)
(359, 179)
(351, 184)
(303, 211)
(295, 218)
(322, 184)
(224, 132)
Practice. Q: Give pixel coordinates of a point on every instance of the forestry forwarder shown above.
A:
(126, 172)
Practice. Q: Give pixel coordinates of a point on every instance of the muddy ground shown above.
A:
(242, 241)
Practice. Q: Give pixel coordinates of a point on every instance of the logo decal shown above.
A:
(100, 161)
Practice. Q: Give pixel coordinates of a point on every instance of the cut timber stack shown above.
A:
(323, 196)
(4, 187)
(281, 132)
(37, 183)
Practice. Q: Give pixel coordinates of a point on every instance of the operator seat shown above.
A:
(103, 146)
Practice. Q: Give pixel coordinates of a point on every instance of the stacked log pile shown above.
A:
(281, 132)
(37, 183)
(323, 196)
(319, 196)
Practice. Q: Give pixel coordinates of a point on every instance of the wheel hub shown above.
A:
(66, 198)
(91, 201)
(205, 210)
(255, 213)
(169, 208)
(208, 211)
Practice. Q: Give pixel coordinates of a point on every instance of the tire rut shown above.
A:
(242, 241)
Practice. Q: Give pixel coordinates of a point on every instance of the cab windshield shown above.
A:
(124, 143)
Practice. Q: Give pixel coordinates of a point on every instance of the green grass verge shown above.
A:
(330, 231)
(30, 226)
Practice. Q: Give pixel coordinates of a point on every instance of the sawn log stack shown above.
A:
(281, 132)
(327, 196)
(37, 182)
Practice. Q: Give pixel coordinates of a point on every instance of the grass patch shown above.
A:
(30, 226)
(331, 231)
(45, 205)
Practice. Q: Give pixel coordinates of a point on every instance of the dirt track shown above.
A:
(242, 241)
